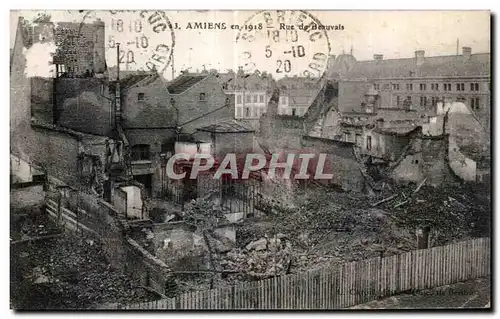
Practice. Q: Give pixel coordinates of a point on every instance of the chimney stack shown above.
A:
(378, 57)
(420, 57)
(466, 52)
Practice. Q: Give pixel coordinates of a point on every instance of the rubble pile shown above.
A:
(30, 223)
(260, 259)
(452, 213)
(66, 272)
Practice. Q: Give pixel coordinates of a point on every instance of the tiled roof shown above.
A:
(398, 131)
(302, 97)
(184, 82)
(437, 66)
(133, 79)
(248, 81)
(293, 83)
(229, 126)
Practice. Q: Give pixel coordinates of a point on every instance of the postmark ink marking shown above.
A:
(146, 39)
(283, 43)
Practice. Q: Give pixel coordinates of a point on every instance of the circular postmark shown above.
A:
(136, 40)
(283, 43)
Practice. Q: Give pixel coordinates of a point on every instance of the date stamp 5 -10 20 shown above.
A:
(283, 43)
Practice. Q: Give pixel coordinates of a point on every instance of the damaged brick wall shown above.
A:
(83, 105)
(56, 152)
(281, 132)
(42, 99)
(425, 158)
(157, 140)
(345, 168)
(112, 230)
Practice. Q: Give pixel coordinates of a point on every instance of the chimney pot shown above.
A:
(466, 52)
(378, 56)
(420, 57)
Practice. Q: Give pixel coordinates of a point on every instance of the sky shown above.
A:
(395, 34)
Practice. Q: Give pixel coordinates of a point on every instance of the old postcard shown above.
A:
(274, 159)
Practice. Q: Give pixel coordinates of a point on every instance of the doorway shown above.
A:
(145, 180)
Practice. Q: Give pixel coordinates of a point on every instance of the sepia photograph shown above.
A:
(250, 160)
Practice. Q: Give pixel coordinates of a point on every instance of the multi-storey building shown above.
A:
(251, 92)
(379, 99)
(418, 83)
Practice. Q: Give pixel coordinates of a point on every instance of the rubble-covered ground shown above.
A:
(64, 272)
(321, 227)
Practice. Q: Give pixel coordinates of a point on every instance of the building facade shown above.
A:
(296, 95)
(419, 83)
(251, 92)
(404, 93)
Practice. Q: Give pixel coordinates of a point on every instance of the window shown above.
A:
(447, 86)
(474, 103)
(369, 143)
(423, 86)
(434, 101)
(239, 112)
(294, 112)
(202, 96)
(395, 86)
(140, 152)
(376, 86)
(346, 136)
(398, 100)
(261, 98)
(255, 97)
(460, 86)
(409, 86)
(358, 139)
(423, 100)
(474, 86)
(238, 99)
(435, 86)
(140, 97)
(248, 98)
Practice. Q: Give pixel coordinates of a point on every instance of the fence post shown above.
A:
(233, 297)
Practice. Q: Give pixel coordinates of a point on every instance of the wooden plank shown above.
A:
(460, 261)
(448, 256)
(433, 268)
(352, 292)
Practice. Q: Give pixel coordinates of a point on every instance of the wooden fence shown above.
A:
(344, 285)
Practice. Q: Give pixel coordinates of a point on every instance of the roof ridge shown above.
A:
(425, 57)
